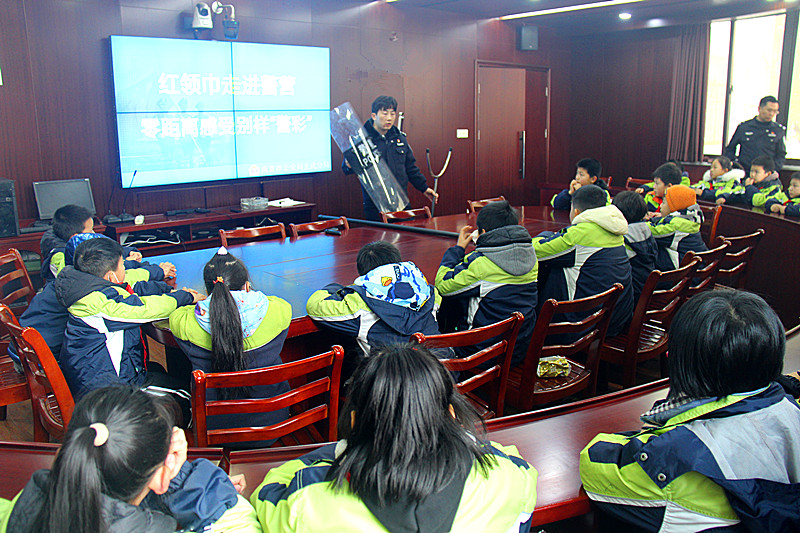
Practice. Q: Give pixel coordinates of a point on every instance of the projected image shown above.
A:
(190, 111)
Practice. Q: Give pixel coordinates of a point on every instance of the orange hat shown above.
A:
(680, 197)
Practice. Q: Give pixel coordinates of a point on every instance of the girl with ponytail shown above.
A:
(235, 328)
(123, 467)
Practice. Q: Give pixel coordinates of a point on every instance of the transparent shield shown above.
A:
(360, 152)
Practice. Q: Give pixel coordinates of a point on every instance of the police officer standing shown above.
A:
(760, 135)
(395, 151)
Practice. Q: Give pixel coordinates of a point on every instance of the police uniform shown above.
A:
(394, 149)
(755, 138)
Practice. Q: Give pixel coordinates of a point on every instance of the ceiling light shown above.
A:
(565, 9)
(624, 16)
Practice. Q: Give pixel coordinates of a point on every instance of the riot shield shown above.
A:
(361, 153)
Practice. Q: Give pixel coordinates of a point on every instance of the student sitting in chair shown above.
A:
(722, 451)
(386, 304)
(677, 231)
(588, 173)
(236, 328)
(587, 257)
(762, 185)
(640, 245)
(787, 204)
(412, 461)
(492, 282)
(721, 178)
(664, 177)
(103, 343)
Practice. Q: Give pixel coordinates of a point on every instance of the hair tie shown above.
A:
(219, 280)
(222, 251)
(101, 433)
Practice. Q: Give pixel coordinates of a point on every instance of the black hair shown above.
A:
(98, 256)
(631, 204)
(139, 434)
(384, 102)
(404, 442)
(765, 162)
(589, 197)
(497, 215)
(591, 166)
(69, 220)
(767, 100)
(676, 163)
(724, 342)
(376, 254)
(668, 173)
(795, 176)
(222, 274)
(724, 162)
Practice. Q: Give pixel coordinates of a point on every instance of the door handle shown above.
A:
(522, 155)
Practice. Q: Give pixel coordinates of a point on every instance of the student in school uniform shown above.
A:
(587, 173)
(640, 245)
(789, 203)
(677, 230)
(587, 257)
(762, 185)
(722, 451)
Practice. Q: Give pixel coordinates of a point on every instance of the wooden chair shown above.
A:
(51, 399)
(494, 378)
(632, 184)
(525, 388)
(607, 179)
(647, 335)
(317, 227)
(13, 385)
(325, 370)
(705, 277)
(422, 212)
(473, 206)
(711, 214)
(251, 234)
(17, 295)
(736, 263)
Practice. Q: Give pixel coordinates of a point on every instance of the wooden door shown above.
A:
(512, 112)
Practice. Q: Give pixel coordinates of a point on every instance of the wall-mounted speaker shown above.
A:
(9, 220)
(527, 37)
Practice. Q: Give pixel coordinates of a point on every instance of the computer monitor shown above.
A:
(50, 195)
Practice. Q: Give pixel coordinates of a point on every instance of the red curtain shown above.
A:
(689, 82)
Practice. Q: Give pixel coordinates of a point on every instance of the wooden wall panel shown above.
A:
(621, 87)
(57, 102)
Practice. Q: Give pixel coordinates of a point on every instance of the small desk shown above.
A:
(550, 440)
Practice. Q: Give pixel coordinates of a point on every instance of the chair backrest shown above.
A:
(473, 368)
(711, 214)
(632, 184)
(322, 374)
(592, 330)
(45, 379)
(422, 212)
(319, 226)
(473, 206)
(660, 304)
(735, 264)
(607, 179)
(16, 289)
(706, 275)
(251, 234)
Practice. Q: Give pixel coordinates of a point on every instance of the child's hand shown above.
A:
(650, 214)
(465, 236)
(639, 190)
(239, 482)
(574, 185)
(749, 181)
(169, 270)
(720, 201)
(778, 208)
(196, 296)
(134, 256)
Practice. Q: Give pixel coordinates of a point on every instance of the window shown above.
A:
(793, 114)
(752, 47)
